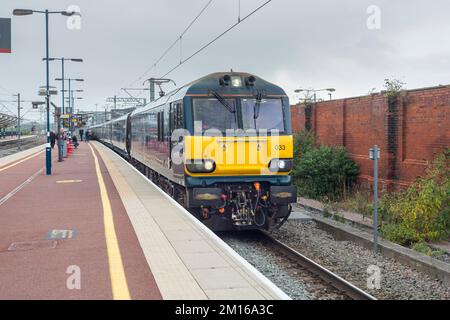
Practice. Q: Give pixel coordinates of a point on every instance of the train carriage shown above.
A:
(221, 145)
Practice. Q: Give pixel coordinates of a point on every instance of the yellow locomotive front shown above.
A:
(238, 153)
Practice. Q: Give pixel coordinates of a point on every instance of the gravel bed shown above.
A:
(289, 276)
(445, 257)
(351, 261)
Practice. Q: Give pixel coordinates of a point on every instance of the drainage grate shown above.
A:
(32, 245)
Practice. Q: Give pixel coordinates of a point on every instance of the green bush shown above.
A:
(426, 249)
(421, 212)
(322, 171)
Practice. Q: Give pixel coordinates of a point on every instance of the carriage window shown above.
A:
(178, 116)
(161, 126)
(158, 126)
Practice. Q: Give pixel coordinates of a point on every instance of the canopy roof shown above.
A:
(6, 120)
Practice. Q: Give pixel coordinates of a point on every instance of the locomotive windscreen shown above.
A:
(268, 116)
(214, 115)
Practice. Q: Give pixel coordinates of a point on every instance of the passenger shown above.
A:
(75, 141)
(88, 136)
(52, 139)
(81, 131)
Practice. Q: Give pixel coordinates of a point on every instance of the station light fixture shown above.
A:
(22, 12)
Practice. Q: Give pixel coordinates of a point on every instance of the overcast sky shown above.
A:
(293, 43)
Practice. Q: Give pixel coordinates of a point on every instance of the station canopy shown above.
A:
(6, 120)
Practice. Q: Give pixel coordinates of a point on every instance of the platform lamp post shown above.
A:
(18, 120)
(62, 73)
(71, 99)
(26, 12)
(73, 106)
(315, 91)
(374, 155)
(70, 91)
(69, 80)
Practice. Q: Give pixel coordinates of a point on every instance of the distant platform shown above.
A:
(12, 140)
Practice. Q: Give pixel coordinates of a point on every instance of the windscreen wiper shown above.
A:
(257, 105)
(223, 101)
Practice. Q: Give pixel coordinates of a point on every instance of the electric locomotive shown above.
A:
(222, 146)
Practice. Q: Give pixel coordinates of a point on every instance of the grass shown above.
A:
(359, 202)
(422, 247)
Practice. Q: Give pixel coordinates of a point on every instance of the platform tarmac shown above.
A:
(97, 229)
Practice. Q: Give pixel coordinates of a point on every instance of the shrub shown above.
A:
(359, 201)
(322, 171)
(420, 213)
(303, 142)
(425, 249)
(393, 87)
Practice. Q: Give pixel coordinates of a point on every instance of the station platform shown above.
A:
(98, 229)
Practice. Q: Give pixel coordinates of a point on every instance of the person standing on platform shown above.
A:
(75, 141)
(52, 139)
(81, 131)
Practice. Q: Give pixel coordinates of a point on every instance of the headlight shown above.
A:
(201, 166)
(280, 165)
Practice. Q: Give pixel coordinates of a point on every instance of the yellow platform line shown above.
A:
(118, 279)
(20, 161)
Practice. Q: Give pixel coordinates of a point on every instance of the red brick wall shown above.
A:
(410, 131)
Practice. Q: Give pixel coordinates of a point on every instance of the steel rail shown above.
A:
(335, 280)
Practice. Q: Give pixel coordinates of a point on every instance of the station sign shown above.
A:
(5, 35)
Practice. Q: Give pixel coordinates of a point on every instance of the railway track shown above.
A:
(326, 275)
(321, 282)
(11, 146)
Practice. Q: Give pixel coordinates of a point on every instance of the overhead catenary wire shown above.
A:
(179, 39)
(216, 38)
(4, 107)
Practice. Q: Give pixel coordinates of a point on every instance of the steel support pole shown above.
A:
(72, 111)
(63, 97)
(375, 199)
(18, 122)
(59, 135)
(48, 149)
(70, 105)
(69, 92)
(152, 90)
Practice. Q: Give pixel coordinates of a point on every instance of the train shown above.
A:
(222, 146)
